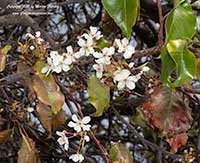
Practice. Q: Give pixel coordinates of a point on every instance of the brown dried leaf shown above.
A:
(5, 135)
(27, 152)
(58, 120)
(2, 62)
(45, 115)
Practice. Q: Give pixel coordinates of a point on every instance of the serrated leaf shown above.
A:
(99, 95)
(184, 60)
(167, 113)
(27, 152)
(123, 12)
(5, 135)
(47, 90)
(120, 154)
(180, 23)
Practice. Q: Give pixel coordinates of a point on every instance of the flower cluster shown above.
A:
(58, 63)
(104, 56)
(81, 127)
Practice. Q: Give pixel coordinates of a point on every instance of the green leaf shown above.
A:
(180, 23)
(120, 154)
(6, 49)
(99, 95)
(184, 60)
(124, 13)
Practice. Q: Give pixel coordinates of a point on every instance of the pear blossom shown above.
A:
(69, 56)
(93, 34)
(63, 140)
(77, 157)
(124, 47)
(145, 69)
(86, 47)
(99, 70)
(49, 67)
(37, 37)
(105, 56)
(86, 138)
(80, 124)
(124, 79)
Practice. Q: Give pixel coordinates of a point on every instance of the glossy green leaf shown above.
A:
(120, 154)
(99, 95)
(184, 60)
(180, 23)
(124, 13)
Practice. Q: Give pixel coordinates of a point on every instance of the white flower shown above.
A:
(49, 67)
(32, 47)
(105, 56)
(63, 140)
(86, 47)
(99, 70)
(30, 109)
(131, 64)
(77, 157)
(145, 69)
(124, 79)
(80, 124)
(124, 47)
(93, 34)
(29, 35)
(69, 57)
(87, 138)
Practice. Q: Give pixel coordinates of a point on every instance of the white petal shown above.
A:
(122, 75)
(66, 146)
(74, 157)
(130, 85)
(127, 54)
(81, 42)
(99, 74)
(93, 30)
(132, 78)
(65, 68)
(86, 127)
(121, 85)
(118, 42)
(124, 41)
(86, 120)
(77, 128)
(68, 60)
(57, 69)
(87, 138)
(59, 133)
(131, 64)
(45, 69)
(97, 55)
(72, 124)
(81, 158)
(69, 50)
(85, 35)
(61, 141)
(75, 118)
(89, 42)
(38, 34)
(145, 69)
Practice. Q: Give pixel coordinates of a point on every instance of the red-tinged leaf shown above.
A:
(177, 141)
(198, 68)
(45, 115)
(167, 113)
(27, 152)
(5, 135)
